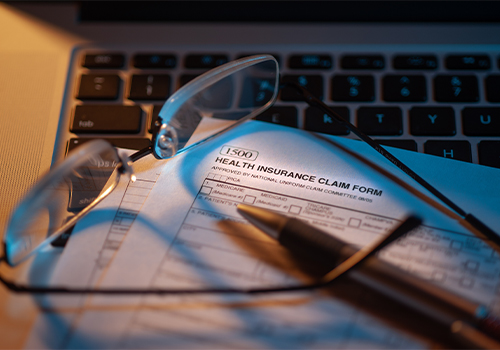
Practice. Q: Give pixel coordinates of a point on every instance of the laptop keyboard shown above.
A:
(444, 103)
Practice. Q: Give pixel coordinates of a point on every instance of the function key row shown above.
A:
(344, 88)
(298, 61)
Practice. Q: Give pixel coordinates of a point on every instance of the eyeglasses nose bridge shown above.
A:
(126, 165)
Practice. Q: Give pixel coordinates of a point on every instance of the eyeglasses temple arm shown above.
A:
(141, 153)
(472, 220)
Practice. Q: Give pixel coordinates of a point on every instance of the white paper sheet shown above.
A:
(187, 234)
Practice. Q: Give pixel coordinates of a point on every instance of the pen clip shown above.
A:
(361, 255)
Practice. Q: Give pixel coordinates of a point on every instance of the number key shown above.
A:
(313, 83)
(149, 87)
(98, 87)
(456, 88)
(401, 88)
(353, 88)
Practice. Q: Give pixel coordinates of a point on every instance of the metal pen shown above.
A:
(469, 322)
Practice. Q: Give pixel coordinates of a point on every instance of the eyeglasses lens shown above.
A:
(49, 209)
(228, 98)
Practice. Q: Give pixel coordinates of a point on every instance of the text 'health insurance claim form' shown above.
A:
(186, 233)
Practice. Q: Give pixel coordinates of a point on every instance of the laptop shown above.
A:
(419, 75)
(423, 76)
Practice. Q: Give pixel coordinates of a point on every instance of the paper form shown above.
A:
(189, 235)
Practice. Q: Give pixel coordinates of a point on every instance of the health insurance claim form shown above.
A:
(188, 234)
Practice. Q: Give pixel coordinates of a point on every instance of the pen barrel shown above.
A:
(374, 273)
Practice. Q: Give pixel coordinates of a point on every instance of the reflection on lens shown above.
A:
(70, 188)
(235, 92)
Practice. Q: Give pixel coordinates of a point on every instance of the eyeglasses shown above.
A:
(231, 94)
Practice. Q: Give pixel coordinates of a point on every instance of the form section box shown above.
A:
(249, 199)
(295, 209)
(206, 190)
(353, 222)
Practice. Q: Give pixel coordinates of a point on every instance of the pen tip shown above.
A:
(266, 220)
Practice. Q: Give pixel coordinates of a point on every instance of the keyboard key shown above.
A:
(152, 60)
(256, 92)
(459, 150)
(360, 88)
(276, 56)
(221, 93)
(99, 87)
(134, 143)
(493, 88)
(415, 62)
(282, 115)
(404, 88)
(186, 78)
(464, 62)
(409, 145)
(103, 60)
(107, 119)
(61, 241)
(318, 121)
(313, 83)
(310, 61)
(489, 153)
(156, 112)
(362, 62)
(453, 88)
(432, 121)
(205, 61)
(149, 87)
(481, 121)
(380, 120)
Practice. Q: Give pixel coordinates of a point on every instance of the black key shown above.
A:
(149, 87)
(276, 56)
(205, 61)
(357, 88)
(380, 120)
(409, 145)
(103, 60)
(256, 92)
(489, 153)
(99, 87)
(313, 83)
(134, 143)
(221, 93)
(186, 78)
(481, 121)
(464, 62)
(61, 241)
(156, 112)
(493, 88)
(152, 60)
(404, 88)
(453, 88)
(280, 115)
(107, 119)
(432, 121)
(362, 62)
(459, 150)
(415, 62)
(318, 121)
(310, 61)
